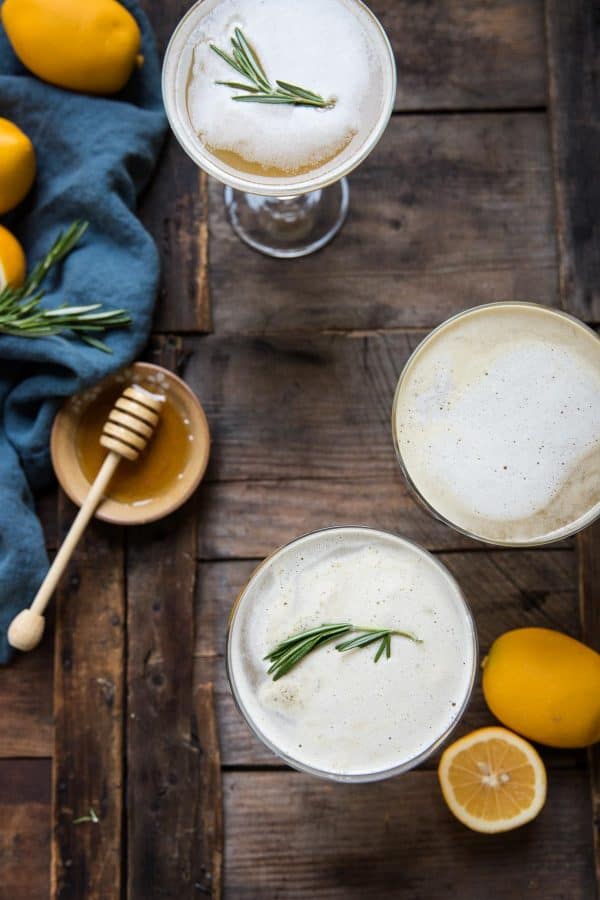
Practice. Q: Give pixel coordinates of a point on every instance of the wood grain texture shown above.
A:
(209, 823)
(25, 825)
(26, 703)
(466, 53)
(162, 753)
(448, 212)
(247, 519)
(174, 209)
(589, 597)
(505, 589)
(396, 839)
(299, 406)
(174, 843)
(573, 34)
(88, 711)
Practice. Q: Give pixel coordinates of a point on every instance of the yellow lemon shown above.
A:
(492, 780)
(17, 165)
(544, 685)
(12, 260)
(81, 45)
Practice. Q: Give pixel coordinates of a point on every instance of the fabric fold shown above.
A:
(94, 157)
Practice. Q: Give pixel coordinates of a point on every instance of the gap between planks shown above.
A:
(471, 110)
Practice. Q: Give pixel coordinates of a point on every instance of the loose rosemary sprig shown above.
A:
(290, 652)
(246, 63)
(21, 315)
(91, 817)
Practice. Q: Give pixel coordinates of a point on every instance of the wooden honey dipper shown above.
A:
(129, 427)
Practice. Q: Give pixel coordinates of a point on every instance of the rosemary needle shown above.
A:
(246, 63)
(292, 650)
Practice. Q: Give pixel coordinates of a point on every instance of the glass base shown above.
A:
(287, 227)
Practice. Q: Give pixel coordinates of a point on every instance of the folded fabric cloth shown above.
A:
(94, 156)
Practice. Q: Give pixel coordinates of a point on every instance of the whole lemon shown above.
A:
(12, 260)
(17, 165)
(544, 685)
(81, 45)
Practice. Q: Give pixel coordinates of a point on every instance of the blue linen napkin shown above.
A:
(94, 156)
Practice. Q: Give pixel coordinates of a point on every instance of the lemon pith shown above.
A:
(492, 780)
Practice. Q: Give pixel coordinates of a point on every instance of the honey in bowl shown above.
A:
(159, 467)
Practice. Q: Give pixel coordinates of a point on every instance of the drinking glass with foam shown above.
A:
(341, 715)
(496, 423)
(284, 166)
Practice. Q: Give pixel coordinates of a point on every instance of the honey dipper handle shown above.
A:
(26, 629)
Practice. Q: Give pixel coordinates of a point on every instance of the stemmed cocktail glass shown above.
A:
(288, 215)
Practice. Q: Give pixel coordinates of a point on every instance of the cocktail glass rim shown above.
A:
(577, 526)
(382, 773)
(192, 145)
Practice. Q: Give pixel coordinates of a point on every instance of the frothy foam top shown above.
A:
(341, 713)
(497, 420)
(318, 44)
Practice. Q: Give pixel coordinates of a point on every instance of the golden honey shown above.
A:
(159, 467)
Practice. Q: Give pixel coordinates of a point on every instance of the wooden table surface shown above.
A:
(484, 187)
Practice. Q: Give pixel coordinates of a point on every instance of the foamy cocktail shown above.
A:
(496, 423)
(367, 711)
(229, 77)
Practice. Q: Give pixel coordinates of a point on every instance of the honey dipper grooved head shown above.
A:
(131, 422)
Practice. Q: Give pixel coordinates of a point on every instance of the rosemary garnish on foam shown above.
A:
(288, 653)
(246, 63)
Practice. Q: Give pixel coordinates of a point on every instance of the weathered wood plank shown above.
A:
(26, 704)
(26, 685)
(175, 210)
(573, 34)
(24, 829)
(448, 212)
(298, 406)
(589, 597)
(247, 519)
(162, 758)
(466, 54)
(506, 589)
(396, 839)
(174, 842)
(88, 712)
(209, 823)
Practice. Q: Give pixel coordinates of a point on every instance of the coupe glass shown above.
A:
(566, 531)
(438, 737)
(285, 216)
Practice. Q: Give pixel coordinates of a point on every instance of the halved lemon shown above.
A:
(12, 260)
(493, 780)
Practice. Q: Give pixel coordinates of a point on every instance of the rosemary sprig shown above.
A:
(246, 63)
(290, 652)
(21, 314)
(91, 817)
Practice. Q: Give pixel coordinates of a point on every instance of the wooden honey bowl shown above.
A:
(162, 479)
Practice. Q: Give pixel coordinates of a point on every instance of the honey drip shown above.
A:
(160, 466)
